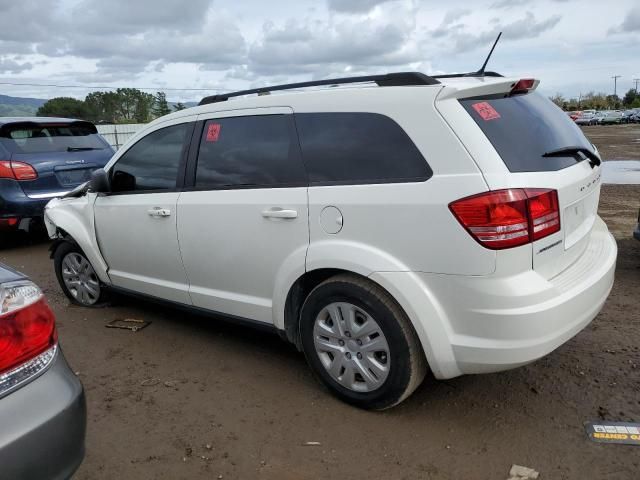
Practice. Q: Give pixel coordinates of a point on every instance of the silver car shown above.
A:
(42, 403)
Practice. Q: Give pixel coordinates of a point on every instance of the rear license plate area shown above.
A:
(73, 177)
(579, 218)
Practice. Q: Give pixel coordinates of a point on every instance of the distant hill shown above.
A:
(19, 106)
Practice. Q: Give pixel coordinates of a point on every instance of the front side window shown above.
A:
(252, 151)
(357, 148)
(152, 163)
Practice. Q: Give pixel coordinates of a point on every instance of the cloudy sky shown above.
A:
(573, 46)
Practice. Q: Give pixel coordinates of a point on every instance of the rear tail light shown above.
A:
(8, 222)
(17, 170)
(509, 218)
(27, 329)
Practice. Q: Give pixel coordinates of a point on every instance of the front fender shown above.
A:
(75, 217)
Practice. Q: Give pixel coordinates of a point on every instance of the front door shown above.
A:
(243, 227)
(136, 223)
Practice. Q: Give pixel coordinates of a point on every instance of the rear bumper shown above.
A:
(43, 426)
(488, 324)
(14, 203)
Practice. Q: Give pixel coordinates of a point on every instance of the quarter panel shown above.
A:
(397, 227)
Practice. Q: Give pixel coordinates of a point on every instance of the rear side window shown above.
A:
(50, 138)
(252, 151)
(523, 128)
(357, 148)
(152, 163)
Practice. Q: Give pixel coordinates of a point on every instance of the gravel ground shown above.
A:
(191, 397)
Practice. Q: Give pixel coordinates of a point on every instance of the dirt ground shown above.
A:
(194, 398)
(616, 142)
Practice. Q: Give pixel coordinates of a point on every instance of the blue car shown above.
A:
(42, 158)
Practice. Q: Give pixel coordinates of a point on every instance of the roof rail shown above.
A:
(469, 74)
(386, 80)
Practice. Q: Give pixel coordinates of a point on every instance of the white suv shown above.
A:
(387, 226)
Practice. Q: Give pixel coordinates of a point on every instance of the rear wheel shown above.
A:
(77, 277)
(360, 343)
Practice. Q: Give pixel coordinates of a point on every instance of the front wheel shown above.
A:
(76, 276)
(360, 343)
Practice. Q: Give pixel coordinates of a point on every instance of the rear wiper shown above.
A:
(582, 152)
(81, 149)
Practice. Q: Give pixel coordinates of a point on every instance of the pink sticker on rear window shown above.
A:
(213, 132)
(486, 111)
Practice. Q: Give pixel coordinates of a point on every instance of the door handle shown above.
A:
(277, 212)
(159, 212)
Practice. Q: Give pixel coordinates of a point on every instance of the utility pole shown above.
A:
(636, 80)
(615, 84)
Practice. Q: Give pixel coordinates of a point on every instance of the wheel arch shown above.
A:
(423, 311)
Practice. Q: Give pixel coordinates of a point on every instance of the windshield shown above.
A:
(51, 138)
(523, 128)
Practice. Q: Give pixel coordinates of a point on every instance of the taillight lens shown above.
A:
(17, 170)
(27, 325)
(509, 218)
(544, 212)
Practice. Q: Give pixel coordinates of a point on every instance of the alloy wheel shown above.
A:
(80, 278)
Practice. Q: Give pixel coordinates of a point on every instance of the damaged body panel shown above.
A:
(73, 217)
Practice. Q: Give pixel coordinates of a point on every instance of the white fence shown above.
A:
(117, 135)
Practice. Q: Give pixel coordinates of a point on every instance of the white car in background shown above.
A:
(395, 224)
(611, 117)
(586, 118)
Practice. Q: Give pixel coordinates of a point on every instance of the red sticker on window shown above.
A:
(213, 132)
(486, 111)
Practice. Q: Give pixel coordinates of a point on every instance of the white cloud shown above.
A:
(631, 22)
(224, 44)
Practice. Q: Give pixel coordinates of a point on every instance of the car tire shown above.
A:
(77, 277)
(377, 365)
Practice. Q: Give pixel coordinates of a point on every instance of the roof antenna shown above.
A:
(484, 65)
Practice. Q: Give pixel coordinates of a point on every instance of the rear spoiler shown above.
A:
(9, 127)
(470, 87)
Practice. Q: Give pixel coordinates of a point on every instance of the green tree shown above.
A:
(160, 105)
(559, 100)
(125, 105)
(103, 106)
(629, 97)
(64, 107)
(613, 101)
(179, 106)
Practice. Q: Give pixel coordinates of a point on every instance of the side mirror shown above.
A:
(100, 181)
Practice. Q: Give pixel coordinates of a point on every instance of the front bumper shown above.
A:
(487, 324)
(42, 426)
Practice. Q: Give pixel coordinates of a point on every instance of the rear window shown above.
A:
(357, 148)
(50, 138)
(524, 127)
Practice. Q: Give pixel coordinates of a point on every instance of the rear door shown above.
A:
(62, 155)
(136, 223)
(521, 129)
(243, 225)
